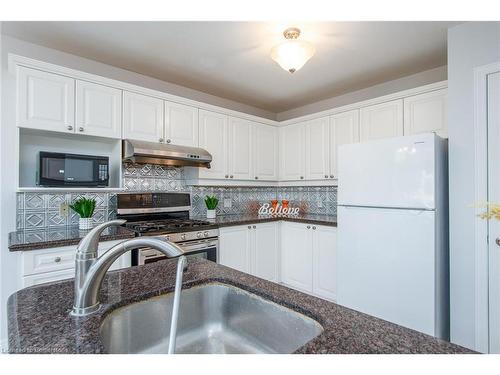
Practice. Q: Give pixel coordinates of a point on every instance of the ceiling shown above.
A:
(232, 59)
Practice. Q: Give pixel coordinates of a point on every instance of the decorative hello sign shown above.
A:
(278, 209)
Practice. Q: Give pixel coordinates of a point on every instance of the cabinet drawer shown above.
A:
(40, 261)
(47, 277)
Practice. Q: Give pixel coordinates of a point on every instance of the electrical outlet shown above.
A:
(227, 203)
(63, 209)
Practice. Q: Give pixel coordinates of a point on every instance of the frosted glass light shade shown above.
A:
(292, 54)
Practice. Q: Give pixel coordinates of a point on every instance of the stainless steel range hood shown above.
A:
(164, 154)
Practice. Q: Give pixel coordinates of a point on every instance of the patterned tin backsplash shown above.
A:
(42, 210)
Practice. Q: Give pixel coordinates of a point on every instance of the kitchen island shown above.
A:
(39, 320)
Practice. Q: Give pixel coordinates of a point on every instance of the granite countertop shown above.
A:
(24, 240)
(243, 219)
(39, 320)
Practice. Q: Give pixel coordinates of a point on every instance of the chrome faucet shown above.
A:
(90, 270)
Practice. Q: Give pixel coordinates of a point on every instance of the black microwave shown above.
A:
(59, 169)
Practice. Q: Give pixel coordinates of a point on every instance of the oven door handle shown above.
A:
(188, 248)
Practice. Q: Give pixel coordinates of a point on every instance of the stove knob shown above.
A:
(199, 234)
(205, 234)
(183, 237)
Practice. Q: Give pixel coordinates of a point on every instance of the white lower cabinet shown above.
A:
(308, 258)
(234, 248)
(296, 255)
(54, 264)
(253, 249)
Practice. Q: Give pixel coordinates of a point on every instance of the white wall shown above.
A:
(469, 45)
(389, 87)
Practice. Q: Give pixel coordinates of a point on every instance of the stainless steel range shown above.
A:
(167, 215)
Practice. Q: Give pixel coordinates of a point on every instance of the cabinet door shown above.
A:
(325, 262)
(344, 128)
(98, 110)
(142, 117)
(296, 255)
(48, 277)
(381, 120)
(45, 101)
(265, 251)
(213, 138)
(265, 152)
(240, 149)
(292, 165)
(317, 149)
(234, 247)
(181, 124)
(426, 113)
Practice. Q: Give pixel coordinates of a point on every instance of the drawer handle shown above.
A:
(254, 227)
(314, 228)
(70, 127)
(332, 176)
(81, 129)
(249, 227)
(57, 259)
(308, 227)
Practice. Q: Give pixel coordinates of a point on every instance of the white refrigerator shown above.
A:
(393, 231)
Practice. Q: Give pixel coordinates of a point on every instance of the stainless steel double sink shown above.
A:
(213, 318)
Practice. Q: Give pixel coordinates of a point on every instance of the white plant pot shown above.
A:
(210, 214)
(85, 223)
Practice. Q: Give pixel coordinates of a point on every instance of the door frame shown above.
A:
(481, 302)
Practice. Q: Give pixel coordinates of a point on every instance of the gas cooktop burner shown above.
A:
(166, 225)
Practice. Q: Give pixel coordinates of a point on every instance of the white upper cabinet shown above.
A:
(265, 154)
(292, 152)
(426, 113)
(98, 110)
(181, 124)
(142, 117)
(214, 138)
(381, 120)
(45, 101)
(344, 128)
(317, 149)
(240, 149)
(325, 262)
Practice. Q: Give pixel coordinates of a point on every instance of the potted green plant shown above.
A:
(85, 208)
(211, 202)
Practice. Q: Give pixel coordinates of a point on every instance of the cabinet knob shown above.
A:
(326, 176)
(314, 228)
(256, 177)
(308, 227)
(249, 227)
(57, 259)
(332, 176)
(169, 140)
(254, 227)
(498, 241)
(301, 177)
(160, 140)
(231, 176)
(226, 176)
(70, 127)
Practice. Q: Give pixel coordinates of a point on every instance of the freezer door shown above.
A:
(393, 172)
(386, 265)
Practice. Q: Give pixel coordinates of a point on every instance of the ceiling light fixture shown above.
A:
(293, 53)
